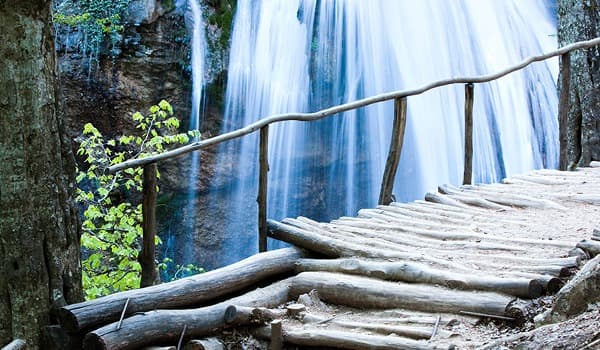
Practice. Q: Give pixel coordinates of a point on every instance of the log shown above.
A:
(147, 257)
(204, 344)
(419, 273)
(341, 246)
(406, 238)
(477, 202)
(413, 332)
(463, 235)
(364, 292)
(387, 241)
(335, 247)
(235, 314)
(590, 247)
(188, 291)
(165, 326)
(504, 200)
(441, 199)
(323, 338)
(17, 344)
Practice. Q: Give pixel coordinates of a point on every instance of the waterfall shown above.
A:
(305, 55)
(177, 242)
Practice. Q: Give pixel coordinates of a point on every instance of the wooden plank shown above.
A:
(563, 109)
(262, 188)
(391, 165)
(468, 170)
(146, 257)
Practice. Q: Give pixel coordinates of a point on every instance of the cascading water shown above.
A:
(305, 55)
(179, 248)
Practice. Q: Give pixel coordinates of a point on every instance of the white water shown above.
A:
(295, 55)
(180, 248)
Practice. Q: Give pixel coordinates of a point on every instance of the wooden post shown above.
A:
(468, 171)
(563, 108)
(276, 335)
(262, 188)
(146, 257)
(387, 184)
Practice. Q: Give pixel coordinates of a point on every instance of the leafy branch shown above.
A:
(112, 226)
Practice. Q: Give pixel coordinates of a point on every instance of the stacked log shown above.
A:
(422, 258)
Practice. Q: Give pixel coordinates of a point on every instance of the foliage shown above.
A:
(175, 271)
(96, 20)
(112, 228)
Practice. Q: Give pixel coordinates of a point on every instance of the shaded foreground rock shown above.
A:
(575, 297)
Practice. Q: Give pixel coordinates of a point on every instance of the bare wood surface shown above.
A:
(420, 273)
(262, 188)
(17, 344)
(164, 326)
(468, 166)
(413, 332)
(236, 314)
(321, 338)
(347, 107)
(276, 335)
(393, 159)
(590, 247)
(563, 109)
(188, 291)
(204, 344)
(336, 247)
(363, 292)
(146, 258)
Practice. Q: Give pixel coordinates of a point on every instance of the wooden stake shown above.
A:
(262, 188)
(276, 335)
(146, 257)
(391, 166)
(468, 171)
(123, 314)
(563, 108)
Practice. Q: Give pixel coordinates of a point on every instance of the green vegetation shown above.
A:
(97, 20)
(112, 228)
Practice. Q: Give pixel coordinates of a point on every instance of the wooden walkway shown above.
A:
(456, 269)
(449, 253)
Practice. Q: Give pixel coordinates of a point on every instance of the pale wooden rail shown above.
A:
(400, 98)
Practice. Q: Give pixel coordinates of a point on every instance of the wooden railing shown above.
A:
(400, 98)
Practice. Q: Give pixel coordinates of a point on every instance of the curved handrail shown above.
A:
(346, 107)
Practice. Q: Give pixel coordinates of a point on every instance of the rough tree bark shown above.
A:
(580, 20)
(39, 234)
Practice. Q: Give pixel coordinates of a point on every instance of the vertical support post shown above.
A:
(276, 335)
(146, 257)
(262, 188)
(563, 109)
(468, 170)
(391, 165)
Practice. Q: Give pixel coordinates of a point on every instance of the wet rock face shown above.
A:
(150, 66)
(151, 62)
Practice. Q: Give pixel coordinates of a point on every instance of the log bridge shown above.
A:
(420, 275)
(416, 275)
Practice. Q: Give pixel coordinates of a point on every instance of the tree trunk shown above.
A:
(39, 237)
(579, 20)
